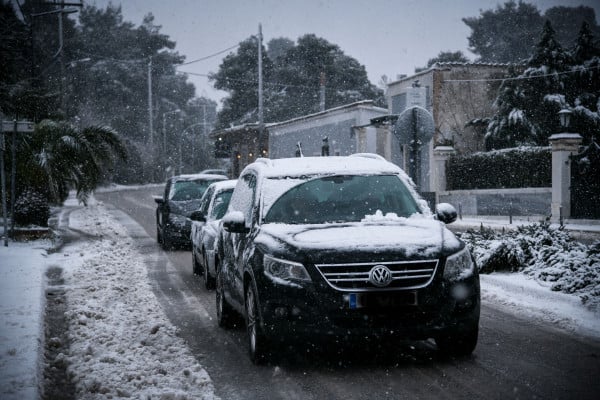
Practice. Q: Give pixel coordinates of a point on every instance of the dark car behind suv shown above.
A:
(342, 246)
(180, 198)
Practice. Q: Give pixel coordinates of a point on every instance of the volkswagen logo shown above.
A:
(380, 276)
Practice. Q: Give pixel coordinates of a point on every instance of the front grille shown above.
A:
(355, 277)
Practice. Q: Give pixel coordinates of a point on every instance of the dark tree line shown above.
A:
(292, 72)
(509, 33)
(100, 78)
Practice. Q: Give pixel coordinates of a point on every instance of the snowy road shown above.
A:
(515, 358)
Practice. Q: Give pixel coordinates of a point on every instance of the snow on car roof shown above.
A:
(191, 177)
(307, 166)
(223, 185)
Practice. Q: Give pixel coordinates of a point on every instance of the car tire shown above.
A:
(158, 236)
(458, 343)
(165, 241)
(195, 266)
(209, 281)
(225, 314)
(258, 344)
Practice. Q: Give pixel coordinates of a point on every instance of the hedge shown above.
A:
(522, 167)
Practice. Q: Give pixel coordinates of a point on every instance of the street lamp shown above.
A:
(565, 117)
(165, 127)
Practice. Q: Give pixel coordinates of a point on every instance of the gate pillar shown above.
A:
(563, 146)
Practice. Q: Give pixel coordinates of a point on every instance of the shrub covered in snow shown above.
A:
(509, 168)
(544, 253)
(31, 208)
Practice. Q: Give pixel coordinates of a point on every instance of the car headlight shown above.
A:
(286, 270)
(459, 266)
(176, 219)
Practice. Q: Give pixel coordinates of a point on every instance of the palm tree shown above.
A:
(58, 157)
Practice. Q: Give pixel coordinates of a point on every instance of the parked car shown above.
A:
(181, 196)
(205, 224)
(214, 172)
(341, 246)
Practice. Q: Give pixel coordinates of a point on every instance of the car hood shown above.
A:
(409, 238)
(184, 208)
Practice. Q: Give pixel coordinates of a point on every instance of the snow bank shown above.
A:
(122, 344)
(525, 296)
(542, 252)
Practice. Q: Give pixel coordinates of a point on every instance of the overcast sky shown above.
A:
(388, 37)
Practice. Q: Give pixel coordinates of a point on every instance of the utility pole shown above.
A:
(59, 54)
(3, 179)
(61, 58)
(260, 93)
(322, 90)
(150, 123)
(204, 119)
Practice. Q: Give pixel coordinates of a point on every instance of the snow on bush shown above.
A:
(31, 208)
(544, 253)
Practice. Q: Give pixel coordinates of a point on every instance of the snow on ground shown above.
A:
(22, 267)
(122, 344)
(516, 293)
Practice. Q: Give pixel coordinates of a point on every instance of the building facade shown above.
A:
(459, 97)
(339, 131)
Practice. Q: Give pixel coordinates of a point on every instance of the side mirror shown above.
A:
(198, 216)
(235, 222)
(446, 213)
(158, 200)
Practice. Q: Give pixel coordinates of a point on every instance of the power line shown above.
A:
(520, 78)
(284, 85)
(209, 56)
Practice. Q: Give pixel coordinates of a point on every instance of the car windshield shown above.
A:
(189, 190)
(342, 199)
(220, 204)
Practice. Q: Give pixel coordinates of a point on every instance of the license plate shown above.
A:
(380, 300)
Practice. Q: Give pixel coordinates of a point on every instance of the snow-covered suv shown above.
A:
(338, 246)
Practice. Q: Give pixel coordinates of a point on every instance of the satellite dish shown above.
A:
(414, 122)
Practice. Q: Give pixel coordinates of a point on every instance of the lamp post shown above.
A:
(565, 117)
(164, 127)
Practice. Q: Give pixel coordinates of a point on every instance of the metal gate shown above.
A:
(585, 183)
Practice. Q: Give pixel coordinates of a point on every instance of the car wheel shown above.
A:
(458, 343)
(158, 237)
(225, 314)
(165, 241)
(258, 346)
(209, 281)
(195, 266)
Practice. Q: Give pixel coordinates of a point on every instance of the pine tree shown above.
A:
(528, 105)
(584, 85)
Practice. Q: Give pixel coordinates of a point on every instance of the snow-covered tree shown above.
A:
(58, 157)
(554, 78)
(291, 81)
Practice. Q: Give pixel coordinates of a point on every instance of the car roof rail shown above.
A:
(372, 156)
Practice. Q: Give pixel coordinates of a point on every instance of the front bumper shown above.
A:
(317, 309)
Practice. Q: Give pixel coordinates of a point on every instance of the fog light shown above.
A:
(281, 312)
(460, 292)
